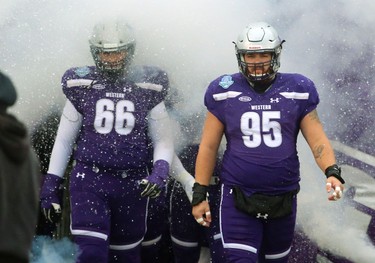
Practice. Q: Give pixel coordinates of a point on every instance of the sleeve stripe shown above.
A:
(226, 95)
(150, 86)
(78, 82)
(295, 95)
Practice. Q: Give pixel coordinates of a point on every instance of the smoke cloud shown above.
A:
(192, 41)
(46, 250)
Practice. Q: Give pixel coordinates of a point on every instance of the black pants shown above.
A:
(8, 258)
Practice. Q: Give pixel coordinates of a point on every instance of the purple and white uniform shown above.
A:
(114, 126)
(261, 157)
(109, 122)
(187, 236)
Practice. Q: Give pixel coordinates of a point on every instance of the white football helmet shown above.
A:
(259, 37)
(112, 37)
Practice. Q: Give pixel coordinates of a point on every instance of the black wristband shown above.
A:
(199, 194)
(335, 171)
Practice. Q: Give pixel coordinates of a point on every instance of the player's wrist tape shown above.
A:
(199, 194)
(335, 171)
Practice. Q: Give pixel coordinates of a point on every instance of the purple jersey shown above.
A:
(114, 132)
(261, 130)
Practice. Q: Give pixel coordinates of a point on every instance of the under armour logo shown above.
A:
(82, 175)
(128, 89)
(264, 216)
(276, 100)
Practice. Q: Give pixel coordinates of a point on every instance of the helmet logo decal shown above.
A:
(82, 71)
(255, 47)
(226, 82)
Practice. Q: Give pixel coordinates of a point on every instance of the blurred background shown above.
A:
(331, 42)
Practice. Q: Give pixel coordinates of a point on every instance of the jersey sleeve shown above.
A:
(75, 86)
(212, 99)
(159, 78)
(163, 80)
(313, 99)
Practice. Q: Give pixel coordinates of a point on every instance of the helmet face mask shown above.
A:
(112, 46)
(258, 39)
(258, 66)
(112, 60)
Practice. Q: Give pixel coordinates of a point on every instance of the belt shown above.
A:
(121, 172)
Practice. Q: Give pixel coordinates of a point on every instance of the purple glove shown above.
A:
(153, 183)
(50, 197)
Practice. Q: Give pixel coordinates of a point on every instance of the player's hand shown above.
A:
(334, 188)
(52, 214)
(156, 181)
(335, 183)
(149, 189)
(202, 213)
(50, 197)
(201, 208)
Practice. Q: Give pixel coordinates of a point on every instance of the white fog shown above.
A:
(192, 41)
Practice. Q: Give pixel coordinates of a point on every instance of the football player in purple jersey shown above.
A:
(261, 113)
(111, 111)
(188, 238)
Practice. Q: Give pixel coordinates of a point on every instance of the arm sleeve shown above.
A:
(178, 172)
(69, 127)
(161, 134)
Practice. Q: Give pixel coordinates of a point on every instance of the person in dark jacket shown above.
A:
(19, 182)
